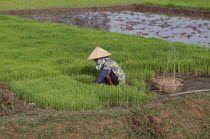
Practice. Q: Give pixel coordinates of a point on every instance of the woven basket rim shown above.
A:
(182, 82)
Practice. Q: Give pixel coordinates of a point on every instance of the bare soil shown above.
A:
(10, 105)
(179, 117)
(196, 83)
(134, 7)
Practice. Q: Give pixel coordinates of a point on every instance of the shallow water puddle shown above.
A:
(175, 29)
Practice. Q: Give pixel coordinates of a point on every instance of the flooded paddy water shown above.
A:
(174, 29)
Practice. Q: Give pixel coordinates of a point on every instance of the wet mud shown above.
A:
(133, 7)
(191, 83)
(196, 83)
(174, 29)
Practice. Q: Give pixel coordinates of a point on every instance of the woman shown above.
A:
(111, 73)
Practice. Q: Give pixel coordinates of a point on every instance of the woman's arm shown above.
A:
(102, 76)
(109, 79)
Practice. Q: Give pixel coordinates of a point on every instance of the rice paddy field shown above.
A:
(42, 4)
(45, 63)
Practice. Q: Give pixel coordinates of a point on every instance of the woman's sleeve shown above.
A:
(102, 76)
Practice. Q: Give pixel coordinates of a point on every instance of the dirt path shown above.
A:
(134, 7)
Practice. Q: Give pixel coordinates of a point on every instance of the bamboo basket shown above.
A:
(168, 84)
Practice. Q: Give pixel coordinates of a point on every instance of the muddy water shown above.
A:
(175, 29)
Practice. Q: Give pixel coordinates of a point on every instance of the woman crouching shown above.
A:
(111, 73)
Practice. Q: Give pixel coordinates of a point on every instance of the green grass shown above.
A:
(194, 4)
(46, 63)
(41, 4)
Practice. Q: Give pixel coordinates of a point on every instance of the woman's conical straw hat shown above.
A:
(98, 52)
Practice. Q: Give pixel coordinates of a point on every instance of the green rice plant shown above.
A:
(87, 79)
(65, 92)
(46, 63)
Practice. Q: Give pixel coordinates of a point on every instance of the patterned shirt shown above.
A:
(112, 65)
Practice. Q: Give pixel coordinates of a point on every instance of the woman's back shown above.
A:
(112, 65)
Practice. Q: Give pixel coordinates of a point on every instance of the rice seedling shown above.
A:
(46, 63)
(64, 92)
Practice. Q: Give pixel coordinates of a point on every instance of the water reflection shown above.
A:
(175, 29)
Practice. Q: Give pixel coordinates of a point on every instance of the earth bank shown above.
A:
(178, 117)
(133, 7)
